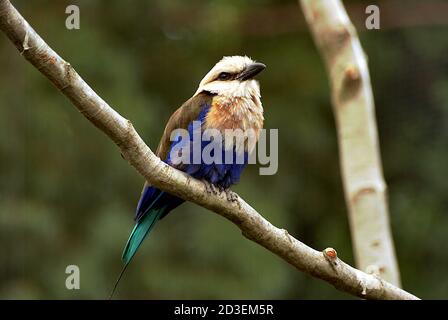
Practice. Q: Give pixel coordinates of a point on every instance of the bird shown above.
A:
(227, 98)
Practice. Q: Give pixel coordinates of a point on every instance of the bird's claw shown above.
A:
(230, 195)
(213, 189)
(210, 188)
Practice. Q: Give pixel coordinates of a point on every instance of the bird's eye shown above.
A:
(224, 76)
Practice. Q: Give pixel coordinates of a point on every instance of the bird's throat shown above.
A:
(235, 113)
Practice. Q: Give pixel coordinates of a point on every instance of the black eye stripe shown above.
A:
(224, 76)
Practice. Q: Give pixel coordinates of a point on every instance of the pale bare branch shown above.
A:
(364, 186)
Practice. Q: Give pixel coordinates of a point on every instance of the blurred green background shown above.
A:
(67, 197)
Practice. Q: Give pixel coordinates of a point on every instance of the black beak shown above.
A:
(251, 71)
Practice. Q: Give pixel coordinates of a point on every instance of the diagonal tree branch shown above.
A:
(324, 265)
(354, 109)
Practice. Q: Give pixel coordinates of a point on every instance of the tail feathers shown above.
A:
(118, 280)
(138, 234)
(140, 231)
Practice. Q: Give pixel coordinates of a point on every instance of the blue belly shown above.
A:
(222, 173)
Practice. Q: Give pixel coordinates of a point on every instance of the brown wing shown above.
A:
(180, 119)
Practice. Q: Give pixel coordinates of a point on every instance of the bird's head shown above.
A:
(233, 76)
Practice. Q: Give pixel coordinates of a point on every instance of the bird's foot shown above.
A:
(216, 190)
(230, 195)
(210, 187)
